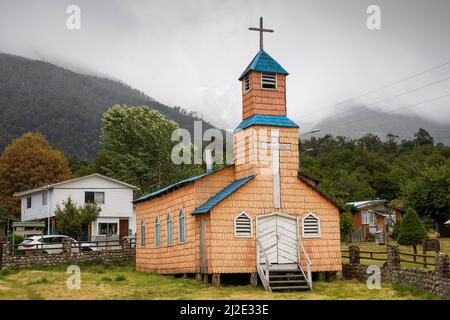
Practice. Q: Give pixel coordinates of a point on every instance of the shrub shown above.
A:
(17, 238)
(412, 231)
(120, 278)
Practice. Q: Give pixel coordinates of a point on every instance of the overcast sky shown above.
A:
(190, 53)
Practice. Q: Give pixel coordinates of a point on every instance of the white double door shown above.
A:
(278, 235)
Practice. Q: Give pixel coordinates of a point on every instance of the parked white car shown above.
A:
(52, 244)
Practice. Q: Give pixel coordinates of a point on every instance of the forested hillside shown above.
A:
(368, 168)
(65, 106)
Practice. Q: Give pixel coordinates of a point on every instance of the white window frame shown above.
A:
(245, 81)
(318, 226)
(157, 232)
(107, 228)
(251, 226)
(169, 235)
(181, 213)
(29, 198)
(142, 228)
(365, 217)
(276, 81)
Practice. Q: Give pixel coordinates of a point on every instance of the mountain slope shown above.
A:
(361, 121)
(65, 106)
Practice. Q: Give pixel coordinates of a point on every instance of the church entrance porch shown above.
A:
(277, 249)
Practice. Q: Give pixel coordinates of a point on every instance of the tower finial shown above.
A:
(261, 31)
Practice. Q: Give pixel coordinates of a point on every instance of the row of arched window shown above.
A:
(169, 229)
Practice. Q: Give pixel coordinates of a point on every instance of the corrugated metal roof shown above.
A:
(174, 186)
(263, 62)
(265, 120)
(362, 204)
(222, 195)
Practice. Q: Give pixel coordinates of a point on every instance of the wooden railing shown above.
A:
(302, 252)
(374, 255)
(263, 274)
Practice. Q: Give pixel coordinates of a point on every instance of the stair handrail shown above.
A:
(259, 249)
(308, 276)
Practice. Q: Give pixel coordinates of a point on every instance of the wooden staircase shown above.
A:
(287, 278)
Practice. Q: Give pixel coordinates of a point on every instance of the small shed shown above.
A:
(28, 229)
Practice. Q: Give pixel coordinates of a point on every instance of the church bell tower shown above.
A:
(266, 141)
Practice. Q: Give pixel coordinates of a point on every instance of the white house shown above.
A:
(115, 198)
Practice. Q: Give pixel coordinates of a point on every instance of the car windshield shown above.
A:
(26, 241)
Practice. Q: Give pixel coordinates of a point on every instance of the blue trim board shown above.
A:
(176, 185)
(222, 195)
(263, 62)
(265, 120)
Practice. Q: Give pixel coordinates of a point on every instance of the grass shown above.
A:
(122, 282)
(372, 246)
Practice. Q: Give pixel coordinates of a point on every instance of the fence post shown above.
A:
(67, 247)
(393, 256)
(442, 265)
(125, 244)
(353, 253)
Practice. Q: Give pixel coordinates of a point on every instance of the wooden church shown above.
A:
(259, 216)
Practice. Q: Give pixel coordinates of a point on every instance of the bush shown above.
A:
(17, 238)
(120, 278)
(412, 231)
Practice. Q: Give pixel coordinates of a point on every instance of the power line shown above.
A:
(379, 89)
(394, 96)
(392, 111)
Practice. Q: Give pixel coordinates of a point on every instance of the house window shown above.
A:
(269, 81)
(169, 230)
(242, 225)
(28, 202)
(367, 217)
(106, 228)
(311, 226)
(142, 233)
(94, 197)
(157, 233)
(44, 199)
(246, 84)
(181, 226)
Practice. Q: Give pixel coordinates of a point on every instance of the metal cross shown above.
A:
(261, 31)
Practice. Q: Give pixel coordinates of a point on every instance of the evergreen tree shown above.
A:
(411, 232)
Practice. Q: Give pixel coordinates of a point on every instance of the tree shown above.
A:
(347, 225)
(29, 162)
(423, 138)
(71, 219)
(137, 143)
(429, 192)
(411, 231)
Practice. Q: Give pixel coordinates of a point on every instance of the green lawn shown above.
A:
(113, 281)
(372, 246)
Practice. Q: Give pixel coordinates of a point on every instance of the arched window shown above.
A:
(243, 225)
(181, 226)
(311, 226)
(169, 229)
(142, 232)
(157, 233)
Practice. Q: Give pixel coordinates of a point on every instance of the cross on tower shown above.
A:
(261, 31)
(275, 146)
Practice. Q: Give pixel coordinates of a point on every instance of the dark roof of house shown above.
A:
(266, 120)
(263, 62)
(306, 180)
(174, 186)
(222, 195)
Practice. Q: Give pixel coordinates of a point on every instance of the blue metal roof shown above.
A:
(265, 120)
(221, 195)
(174, 186)
(264, 63)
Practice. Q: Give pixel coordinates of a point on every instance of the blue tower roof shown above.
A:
(264, 63)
